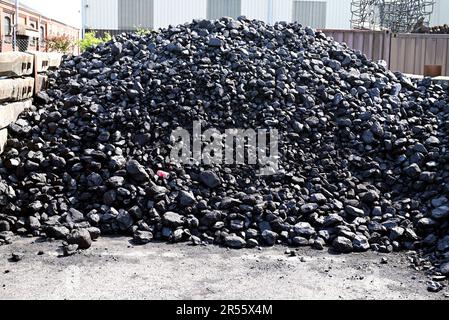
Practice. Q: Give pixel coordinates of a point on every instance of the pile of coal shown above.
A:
(443, 29)
(363, 152)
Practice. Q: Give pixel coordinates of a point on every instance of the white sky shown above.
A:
(67, 11)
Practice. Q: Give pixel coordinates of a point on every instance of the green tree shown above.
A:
(91, 40)
(62, 44)
(141, 31)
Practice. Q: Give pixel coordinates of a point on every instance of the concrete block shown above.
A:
(3, 139)
(41, 82)
(11, 111)
(16, 89)
(42, 60)
(27, 87)
(54, 60)
(16, 64)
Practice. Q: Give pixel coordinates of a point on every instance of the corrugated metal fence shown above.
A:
(411, 52)
(374, 44)
(404, 52)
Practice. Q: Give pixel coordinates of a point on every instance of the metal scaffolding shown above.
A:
(394, 15)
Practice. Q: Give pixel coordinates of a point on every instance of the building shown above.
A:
(125, 15)
(33, 30)
(440, 13)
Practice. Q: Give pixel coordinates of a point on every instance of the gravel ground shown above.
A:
(114, 269)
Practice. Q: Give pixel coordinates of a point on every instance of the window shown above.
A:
(310, 13)
(7, 25)
(33, 24)
(217, 9)
(42, 36)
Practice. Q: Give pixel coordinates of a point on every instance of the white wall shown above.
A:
(338, 14)
(441, 13)
(101, 14)
(259, 9)
(175, 12)
(282, 10)
(255, 9)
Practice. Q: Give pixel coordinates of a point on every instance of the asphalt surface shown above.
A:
(115, 269)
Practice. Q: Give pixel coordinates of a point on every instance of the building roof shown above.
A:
(23, 6)
(34, 11)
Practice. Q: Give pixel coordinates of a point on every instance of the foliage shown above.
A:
(141, 31)
(62, 44)
(91, 40)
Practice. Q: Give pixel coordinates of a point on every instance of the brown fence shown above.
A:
(374, 44)
(404, 52)
(411, 52)
(22, 75)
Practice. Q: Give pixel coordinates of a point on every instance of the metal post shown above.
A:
(16, 27)
(270, 12)
(83, 21)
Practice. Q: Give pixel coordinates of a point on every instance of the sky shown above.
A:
(67, 11)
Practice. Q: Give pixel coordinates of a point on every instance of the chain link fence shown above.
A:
(23, 45)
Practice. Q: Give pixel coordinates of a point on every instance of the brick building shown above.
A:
(33, 30)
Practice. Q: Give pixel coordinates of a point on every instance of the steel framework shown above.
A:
(394, 15)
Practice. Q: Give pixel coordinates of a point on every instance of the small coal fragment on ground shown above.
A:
(17, 256)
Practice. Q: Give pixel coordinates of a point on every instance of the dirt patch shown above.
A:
(114, 269)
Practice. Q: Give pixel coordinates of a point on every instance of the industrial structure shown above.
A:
(124, 15)
(33, 28)
(116, 16)
(394, 15)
